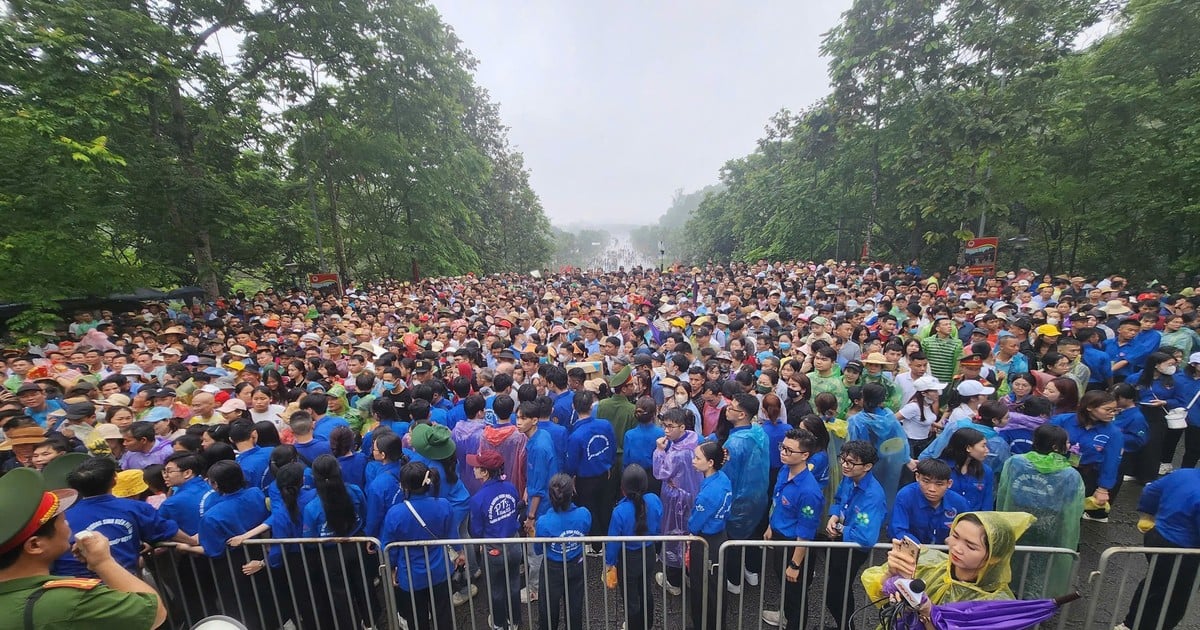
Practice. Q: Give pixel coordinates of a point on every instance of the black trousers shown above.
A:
(593, 494)
(844, 564)
(1171, 605)
(1191, 446)
(562, 585)
(791, 594)
(1091, 481)
(503, 573)
(702, 600)
(636, 568)
(427, 608)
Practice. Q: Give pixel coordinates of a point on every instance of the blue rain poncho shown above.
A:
(881, 428)
(748, 469)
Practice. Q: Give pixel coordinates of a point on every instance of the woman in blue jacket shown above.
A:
(1187, 387)
(340, 509)
(1133, 426)
(638, 513)
(1099, 445)
(707, 521)
(422, 577)
(562, 569)
(971, 478)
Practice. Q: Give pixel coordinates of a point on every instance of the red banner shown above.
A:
(979, 256)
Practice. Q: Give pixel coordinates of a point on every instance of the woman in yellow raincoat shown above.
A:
(976, 568)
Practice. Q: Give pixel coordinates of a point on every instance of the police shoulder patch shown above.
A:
(83, 584)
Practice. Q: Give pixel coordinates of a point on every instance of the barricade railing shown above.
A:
(265, 583)
(1145, 588)
(493, 589)
(830, 591)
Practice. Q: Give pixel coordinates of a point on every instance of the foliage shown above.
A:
(950, 118)
(670, 227)
(140, 148)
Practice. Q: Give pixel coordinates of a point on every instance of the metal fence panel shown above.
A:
(1146, 588)
(492, 585)
(830, 595)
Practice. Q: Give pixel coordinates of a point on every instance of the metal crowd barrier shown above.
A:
(349, 583)
(1037, 573)
(1145, 588)
(573, 594)
(318, 583)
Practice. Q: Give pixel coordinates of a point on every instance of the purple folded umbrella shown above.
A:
(1005, 614)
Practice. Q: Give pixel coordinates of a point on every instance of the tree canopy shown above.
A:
(166, 143)
(950, 119)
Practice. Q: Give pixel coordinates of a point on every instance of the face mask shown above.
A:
(1166, 370)
(794, 393)
(913, 331)
(389, 387)
(1052, 320)
(762, 389)
(785, 346)
(101, 414)
(681, 398)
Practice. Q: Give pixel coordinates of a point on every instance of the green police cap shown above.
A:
(26, 506)
(620, 378)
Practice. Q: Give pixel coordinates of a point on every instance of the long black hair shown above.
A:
(417, 478)
(290, 478)
(633, 486)
(956, 451)
(331, 491)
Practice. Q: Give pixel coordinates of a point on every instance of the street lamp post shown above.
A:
(291, 269)
(1018, 243)
(662, 253)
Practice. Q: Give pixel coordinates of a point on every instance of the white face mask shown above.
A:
(1166, 370)
(681, 398)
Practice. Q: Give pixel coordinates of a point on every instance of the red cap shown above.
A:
(487, 460)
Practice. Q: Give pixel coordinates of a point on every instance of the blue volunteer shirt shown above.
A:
(1174, 500)
(640, 442)
(913, 516)
(818, 465)
(979, 492)
(575, 522)
(712, 505)
(861, 508)
(419, 567)
(590, 448)
(1134, 428)
(236, 514)
(188, 503)
(541, 462)
(125, 522)
(624, 523)
(455, 414)
(558, 435)
(1098, 445)
(310, 451)
(775, 432)
(354, 468)
(316, 524)
(382, 493)
(494, 511)
(326, 425)
(797, 503)
(564, 410)
(286, 525)
(256, 465)
(396, 426)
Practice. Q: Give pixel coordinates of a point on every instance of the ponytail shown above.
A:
(633, 486)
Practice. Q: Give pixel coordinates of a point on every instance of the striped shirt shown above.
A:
(943, 355)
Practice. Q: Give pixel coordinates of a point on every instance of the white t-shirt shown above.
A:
(916, 421)
(270, 415)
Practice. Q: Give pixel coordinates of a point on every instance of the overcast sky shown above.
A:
(616, 104)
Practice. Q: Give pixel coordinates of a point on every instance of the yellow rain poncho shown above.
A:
(1002, 529)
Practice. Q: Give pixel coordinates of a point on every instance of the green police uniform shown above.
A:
(46, 603)
(620, 412)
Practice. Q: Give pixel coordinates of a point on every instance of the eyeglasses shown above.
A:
(787, 451)
(847, 462)
(171, 471)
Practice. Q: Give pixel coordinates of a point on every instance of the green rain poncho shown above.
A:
(832, 384)
(1050, 489)
(892, 400)
(933, 566)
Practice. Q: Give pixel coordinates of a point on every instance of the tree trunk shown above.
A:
(335, 226)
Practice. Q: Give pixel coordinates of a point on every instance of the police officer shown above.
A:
(33, 534)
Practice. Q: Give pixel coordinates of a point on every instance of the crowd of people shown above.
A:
(808, 401)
